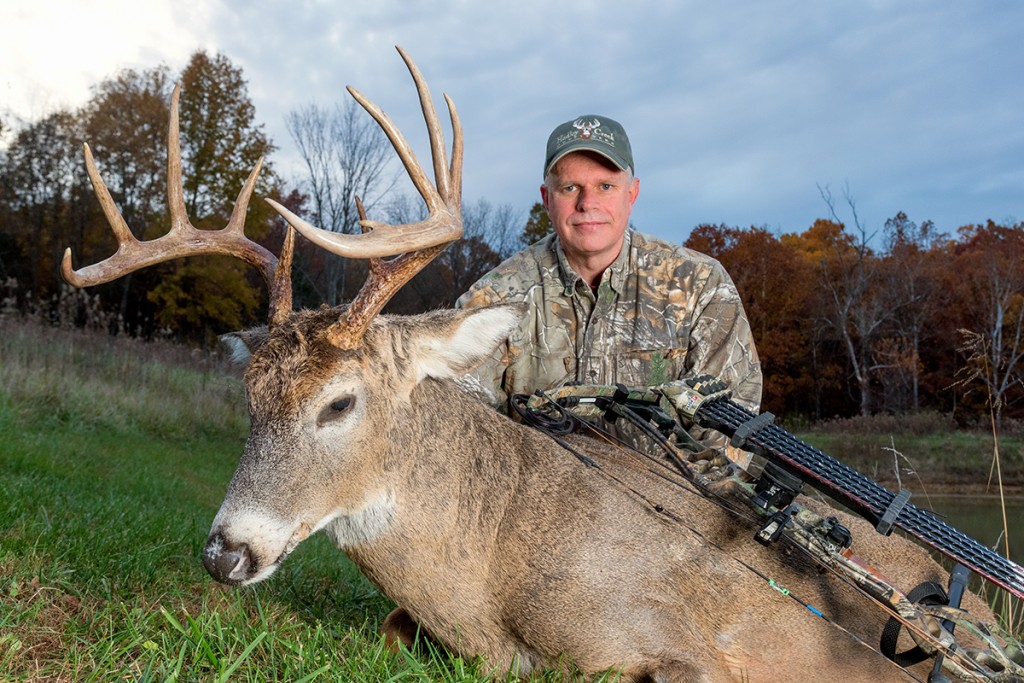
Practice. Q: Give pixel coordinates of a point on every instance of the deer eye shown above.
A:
(336, 409)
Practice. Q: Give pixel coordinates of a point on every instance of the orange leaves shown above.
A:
(902, 303)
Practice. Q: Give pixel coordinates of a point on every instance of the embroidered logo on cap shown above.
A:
(586, 130)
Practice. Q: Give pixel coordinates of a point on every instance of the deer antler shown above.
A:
(417, 243)
(184, 239)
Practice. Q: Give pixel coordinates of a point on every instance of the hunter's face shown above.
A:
(589, 201)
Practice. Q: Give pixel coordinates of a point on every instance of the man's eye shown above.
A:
(606, 186)
(569, 188)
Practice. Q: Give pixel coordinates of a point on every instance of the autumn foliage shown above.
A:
(924, 321)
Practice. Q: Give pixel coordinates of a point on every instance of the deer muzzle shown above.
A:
(237, 562)
(227, 562)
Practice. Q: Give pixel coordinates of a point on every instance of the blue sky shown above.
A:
(737, 111)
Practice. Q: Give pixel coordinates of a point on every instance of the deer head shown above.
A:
(311, 384)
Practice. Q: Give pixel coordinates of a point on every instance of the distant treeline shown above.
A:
(846, 321)
(927, 321)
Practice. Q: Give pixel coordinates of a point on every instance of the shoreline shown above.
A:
(957, 489)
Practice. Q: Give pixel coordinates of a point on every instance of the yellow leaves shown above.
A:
(211, 291)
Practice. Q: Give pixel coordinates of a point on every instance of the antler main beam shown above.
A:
(417, 243)
(183, 239)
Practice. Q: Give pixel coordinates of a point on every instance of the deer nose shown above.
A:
(227, 562)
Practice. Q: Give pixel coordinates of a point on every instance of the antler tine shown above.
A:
(455, 173)
(183, 239)
(175, 189)
(444, 203)
(281, 287)
(126, 241)
(388, 241)
(437, 147)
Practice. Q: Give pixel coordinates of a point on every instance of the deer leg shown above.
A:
(399, 629)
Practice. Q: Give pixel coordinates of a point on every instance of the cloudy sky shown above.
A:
(737, 111)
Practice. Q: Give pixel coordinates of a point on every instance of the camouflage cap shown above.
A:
(598, 134)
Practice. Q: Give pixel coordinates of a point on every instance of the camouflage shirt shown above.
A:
(661, 312)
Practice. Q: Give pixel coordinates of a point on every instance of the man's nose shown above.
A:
(584, 200)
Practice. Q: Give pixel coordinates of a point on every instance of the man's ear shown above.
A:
(464, 339)
(241, 345)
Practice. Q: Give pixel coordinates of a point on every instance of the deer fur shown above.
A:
(500, 543)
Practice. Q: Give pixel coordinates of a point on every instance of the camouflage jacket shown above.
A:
(661, 312)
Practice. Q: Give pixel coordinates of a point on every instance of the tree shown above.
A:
(125, 123)
(346, 156)
(220, 140)
(538, 225)
(989, 267)
(717, 241)
(855, 311)
(40, 195)
(488, 237)
(910, 276)
(775, 284)
(221, 143)
(200, 291)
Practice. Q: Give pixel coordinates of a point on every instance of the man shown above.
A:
(608, 304)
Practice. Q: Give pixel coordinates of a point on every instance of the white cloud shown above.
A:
(53, 51)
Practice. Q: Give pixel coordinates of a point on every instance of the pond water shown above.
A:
(981, 518)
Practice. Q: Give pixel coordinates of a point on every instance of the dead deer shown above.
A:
(493, 538)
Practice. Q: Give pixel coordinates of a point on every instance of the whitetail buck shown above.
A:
(492, 537)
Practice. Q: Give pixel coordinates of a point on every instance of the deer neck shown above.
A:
(436, 467)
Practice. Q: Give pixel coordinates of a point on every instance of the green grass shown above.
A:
(938, 459)
(114, 456)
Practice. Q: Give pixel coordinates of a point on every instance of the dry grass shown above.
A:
(99, 381)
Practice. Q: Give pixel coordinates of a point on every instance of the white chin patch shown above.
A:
(349, 528)
(273, 538)
(261, 575)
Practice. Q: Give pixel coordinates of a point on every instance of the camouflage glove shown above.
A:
(686, 396)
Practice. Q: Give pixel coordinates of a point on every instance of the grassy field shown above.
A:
(925, 452)
(114, 456)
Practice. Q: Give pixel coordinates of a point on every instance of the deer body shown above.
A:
(501, 543)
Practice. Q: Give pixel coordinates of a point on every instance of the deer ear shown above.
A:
(465, 339)
(241, 345)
